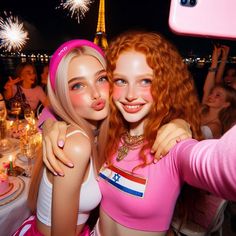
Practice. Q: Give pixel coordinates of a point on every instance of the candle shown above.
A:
(11, 163)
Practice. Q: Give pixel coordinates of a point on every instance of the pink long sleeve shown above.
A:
(210, 164)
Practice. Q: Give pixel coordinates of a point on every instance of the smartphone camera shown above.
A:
(188, 3)
(183, 2)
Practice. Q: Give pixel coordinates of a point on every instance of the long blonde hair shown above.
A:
(62, 106)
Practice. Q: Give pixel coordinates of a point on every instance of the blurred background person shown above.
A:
(226, 72)
(218, 102)
(23, 88)
(44, 76)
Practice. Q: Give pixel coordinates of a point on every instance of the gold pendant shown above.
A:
(122, 152)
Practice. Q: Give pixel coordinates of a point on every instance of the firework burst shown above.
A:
(12, 33)
(77, 8)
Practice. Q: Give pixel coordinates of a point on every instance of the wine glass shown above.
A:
(29, 155)
(29, 115)
(30, 118)
(16, 110)
(27, 150)
(4, 143)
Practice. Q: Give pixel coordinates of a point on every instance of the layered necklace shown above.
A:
(128, 143)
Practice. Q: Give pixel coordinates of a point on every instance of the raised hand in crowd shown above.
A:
(9, 85)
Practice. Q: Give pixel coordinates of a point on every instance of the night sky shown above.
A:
(48, 27)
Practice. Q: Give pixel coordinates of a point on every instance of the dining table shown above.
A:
(13, 208)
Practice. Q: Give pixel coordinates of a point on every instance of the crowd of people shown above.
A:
(119, 135)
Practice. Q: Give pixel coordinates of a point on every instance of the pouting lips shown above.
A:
(98, 105)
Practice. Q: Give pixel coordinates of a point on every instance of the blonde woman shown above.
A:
(78, 89)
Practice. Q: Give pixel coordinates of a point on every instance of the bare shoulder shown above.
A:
(77, 145)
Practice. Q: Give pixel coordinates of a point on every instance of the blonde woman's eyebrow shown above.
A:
(76, 78)
(83, 78)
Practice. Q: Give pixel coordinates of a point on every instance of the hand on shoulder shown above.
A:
(77, 145)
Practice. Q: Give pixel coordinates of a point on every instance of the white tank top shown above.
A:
(90, 195)
(206, 131)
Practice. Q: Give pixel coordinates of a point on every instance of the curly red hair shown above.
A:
(172, 89)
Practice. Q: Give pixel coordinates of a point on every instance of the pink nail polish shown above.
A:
(155, 161)
(70, 164)
(61, 143)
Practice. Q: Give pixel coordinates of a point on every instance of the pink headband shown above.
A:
(62, 51)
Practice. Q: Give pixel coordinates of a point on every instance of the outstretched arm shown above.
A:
(209, 164)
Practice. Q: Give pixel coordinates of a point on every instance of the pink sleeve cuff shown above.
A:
(45, 114)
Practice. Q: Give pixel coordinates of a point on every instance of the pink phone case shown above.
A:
(208, 18)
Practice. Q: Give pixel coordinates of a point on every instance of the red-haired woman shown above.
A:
(151, 86)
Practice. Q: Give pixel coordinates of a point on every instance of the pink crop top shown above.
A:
(90, 196)
(145, 201)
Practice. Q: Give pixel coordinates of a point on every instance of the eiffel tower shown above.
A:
(100, 36)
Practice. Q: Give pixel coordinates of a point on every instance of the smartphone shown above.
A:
(203, 18)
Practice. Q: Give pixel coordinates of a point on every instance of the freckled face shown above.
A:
(132, 80)
(88, 87)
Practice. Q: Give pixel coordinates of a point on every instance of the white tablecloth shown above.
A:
(13, 214)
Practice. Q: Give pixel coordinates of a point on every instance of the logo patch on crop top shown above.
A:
(124, 181)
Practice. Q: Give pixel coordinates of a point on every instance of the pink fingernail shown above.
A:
(155, 161)
(61, 143)
(178, 140)
(70, 164)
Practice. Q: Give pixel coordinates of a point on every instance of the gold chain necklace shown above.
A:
(128, 143)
